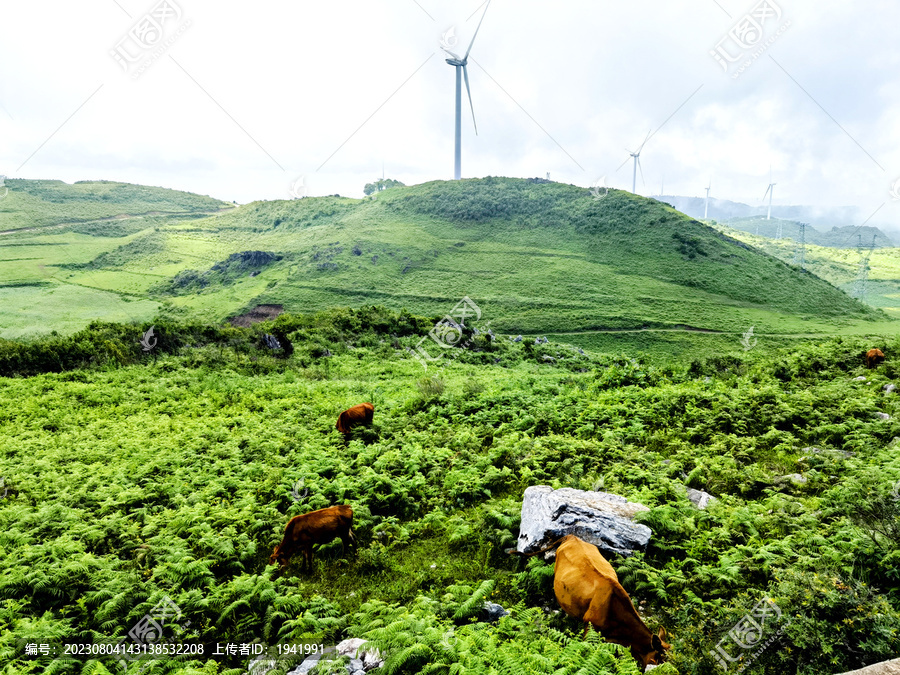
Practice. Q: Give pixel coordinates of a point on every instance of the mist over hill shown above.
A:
(845, 218)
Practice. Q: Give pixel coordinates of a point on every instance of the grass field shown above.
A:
(133, 478)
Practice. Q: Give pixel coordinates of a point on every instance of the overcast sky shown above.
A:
(243, 99)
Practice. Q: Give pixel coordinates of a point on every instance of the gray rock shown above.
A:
(603, 519)
(492, 612)
(548, 358)
(861, 378)
(888, 388)
(349, 647)
(796, 478)
(518, 338)
(354, 648)
(884, 668)
(700, 499)
(358, 671)
(354, 665)
(306, 666)
(372, 660)
(883, 416)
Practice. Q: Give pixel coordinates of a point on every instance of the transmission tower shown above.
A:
(862, 275)
(800, 255)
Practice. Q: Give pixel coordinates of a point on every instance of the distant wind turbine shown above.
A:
(770, 192)
(637, 163)
(462, 72)
(706, 210)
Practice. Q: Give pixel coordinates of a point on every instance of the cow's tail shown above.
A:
(543, 550)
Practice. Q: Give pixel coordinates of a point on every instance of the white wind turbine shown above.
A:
(637, 163)
(462, 72)
(770, 192)
(706, 209)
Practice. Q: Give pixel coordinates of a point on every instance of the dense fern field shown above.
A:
(131, 479)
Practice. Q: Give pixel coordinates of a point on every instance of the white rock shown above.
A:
(600, 518)
(700, 499)
(884, 668)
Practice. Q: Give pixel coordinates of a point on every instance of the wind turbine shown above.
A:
(706, 210)
(770, 192)
(637, 163)
(462, 72)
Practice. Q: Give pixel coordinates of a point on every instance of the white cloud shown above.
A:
(291, 88)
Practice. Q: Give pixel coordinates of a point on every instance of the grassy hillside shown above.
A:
(131, 478)
(48, 228)
(836, 237)
(537, 257)
(42, 203)
(840, 267)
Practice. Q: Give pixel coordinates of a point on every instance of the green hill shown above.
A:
(838, 237)
(536, 256)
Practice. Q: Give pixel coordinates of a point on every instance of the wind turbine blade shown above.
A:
(645, 141)
(469, 92)
(476, 32)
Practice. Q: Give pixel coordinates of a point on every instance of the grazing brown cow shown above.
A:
(587, 588)
(358, 414)
(874, 357)
(316, 527)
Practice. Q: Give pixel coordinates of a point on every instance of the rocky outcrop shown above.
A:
(884, 668)
(603, 519)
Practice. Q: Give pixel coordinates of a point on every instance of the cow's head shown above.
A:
(656, 651)
(278, 556)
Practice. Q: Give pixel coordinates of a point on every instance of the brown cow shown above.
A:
(874, 357)
(316, 527)
(587, 588)
(358, 414)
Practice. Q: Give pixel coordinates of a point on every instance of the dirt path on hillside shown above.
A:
(689, 329)
(123, 216)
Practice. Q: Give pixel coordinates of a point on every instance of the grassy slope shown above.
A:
(839, 266)
(55, 225)
(175, 478)
(537, 258)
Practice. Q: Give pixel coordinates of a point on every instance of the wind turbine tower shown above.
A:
(462, 72)
(706, 209)
(769, 192)
(636, 155)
